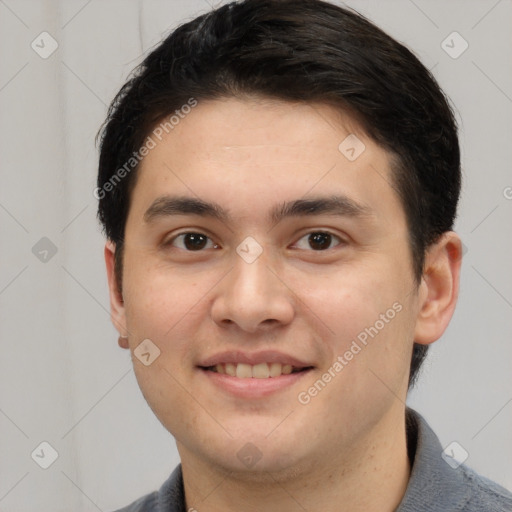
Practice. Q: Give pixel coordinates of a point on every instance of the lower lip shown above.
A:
(252, 387)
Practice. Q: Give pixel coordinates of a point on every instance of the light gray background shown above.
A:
(63, 378)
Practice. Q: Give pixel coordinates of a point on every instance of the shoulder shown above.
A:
(169, 498)
(147, 503)
(438, 483)
(484, 494)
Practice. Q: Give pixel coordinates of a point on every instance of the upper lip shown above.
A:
(266, 356)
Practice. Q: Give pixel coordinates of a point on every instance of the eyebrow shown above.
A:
(338, 205)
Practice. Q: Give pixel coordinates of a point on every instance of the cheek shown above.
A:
(160, 297)
(162, 309)
(348, 301)
(368, 350)
(369, 317)
(170, 307)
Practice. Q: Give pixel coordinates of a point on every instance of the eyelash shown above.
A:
(169, 243)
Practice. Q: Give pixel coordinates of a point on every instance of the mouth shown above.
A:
(254, 381)
(253, 375)
(269, 370)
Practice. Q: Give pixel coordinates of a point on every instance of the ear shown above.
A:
(117, 310)
(439, 288)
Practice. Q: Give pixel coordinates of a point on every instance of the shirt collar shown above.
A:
(433, 485)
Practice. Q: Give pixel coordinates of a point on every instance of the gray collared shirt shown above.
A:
(434, 485)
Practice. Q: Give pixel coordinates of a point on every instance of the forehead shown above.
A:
(248, 151)
(239, 125)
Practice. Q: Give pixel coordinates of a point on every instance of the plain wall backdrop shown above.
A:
(63, 379)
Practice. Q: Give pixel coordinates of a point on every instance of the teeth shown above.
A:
(287, 369)
(257, 371)
(275, 369)
(243, 371)
(230, 369)
(260, 371)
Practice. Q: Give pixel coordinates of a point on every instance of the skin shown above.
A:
(346, 448)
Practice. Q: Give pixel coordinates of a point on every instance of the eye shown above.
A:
(191, 242)
(318, 241)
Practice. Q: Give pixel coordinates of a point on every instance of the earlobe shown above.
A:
(439, 288)
(117, 309)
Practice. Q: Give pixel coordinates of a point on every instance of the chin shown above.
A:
(271, 468)
(259, 459)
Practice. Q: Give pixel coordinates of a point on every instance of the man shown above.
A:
(278, 184)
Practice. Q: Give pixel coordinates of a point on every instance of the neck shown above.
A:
(369, 477)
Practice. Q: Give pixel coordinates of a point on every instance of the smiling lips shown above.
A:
(257, 371)
(262, 365)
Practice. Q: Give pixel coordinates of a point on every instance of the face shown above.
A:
(256, 246)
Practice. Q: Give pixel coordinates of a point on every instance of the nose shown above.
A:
(254, 297)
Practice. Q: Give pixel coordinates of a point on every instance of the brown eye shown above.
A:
(192, 242)
(318, 241)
